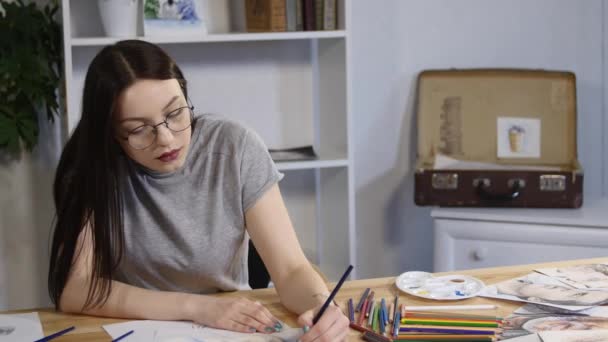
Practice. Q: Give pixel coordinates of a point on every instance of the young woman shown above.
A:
(155, 208)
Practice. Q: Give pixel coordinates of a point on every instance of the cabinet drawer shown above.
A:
(462, 244)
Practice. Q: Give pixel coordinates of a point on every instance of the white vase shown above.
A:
(119, 17)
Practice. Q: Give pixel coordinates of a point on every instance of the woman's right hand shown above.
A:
(236, 314)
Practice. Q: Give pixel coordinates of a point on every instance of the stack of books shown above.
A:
(290, 15)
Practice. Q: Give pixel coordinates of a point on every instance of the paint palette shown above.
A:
(450, 287)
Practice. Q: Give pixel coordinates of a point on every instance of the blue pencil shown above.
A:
(122, 336)
(57, 334)
(396, 323)
(332, 295)
(384, 314)
(351, 311)
(360, 304)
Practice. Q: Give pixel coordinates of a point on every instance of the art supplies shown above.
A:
(332, 295)
(440, 325)
(449, 307)
(362, 300)
(123, 336)
(55, 335)
(450, 287)
(20, 327)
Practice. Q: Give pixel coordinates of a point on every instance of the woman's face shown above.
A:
(555, 293)
(566, 323)
(150, 102)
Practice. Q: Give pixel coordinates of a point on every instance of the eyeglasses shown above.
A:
(176, 121)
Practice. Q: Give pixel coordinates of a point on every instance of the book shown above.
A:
(299, 15)
(319, 7)
(166, 18)
(329, 15)
(265, 15)
(294, 153)
(291, 14)
(309, 15)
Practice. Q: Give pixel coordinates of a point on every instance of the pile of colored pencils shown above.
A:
(445, 326)
(382, 322)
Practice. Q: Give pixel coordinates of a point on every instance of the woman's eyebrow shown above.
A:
(173, 99)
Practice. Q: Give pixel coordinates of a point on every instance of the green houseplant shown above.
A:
(30, 71)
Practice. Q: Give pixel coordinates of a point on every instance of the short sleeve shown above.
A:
(258, 170)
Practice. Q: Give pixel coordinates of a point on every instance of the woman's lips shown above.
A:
(169, 156)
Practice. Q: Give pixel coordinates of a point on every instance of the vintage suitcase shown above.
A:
(497, 138)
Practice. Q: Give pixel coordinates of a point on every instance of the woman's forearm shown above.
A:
(127, 301)
(309, 293)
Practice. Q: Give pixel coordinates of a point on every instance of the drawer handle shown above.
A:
(482, 185)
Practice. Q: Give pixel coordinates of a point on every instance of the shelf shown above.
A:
(592, 214)
(210, 38)
(311, 164)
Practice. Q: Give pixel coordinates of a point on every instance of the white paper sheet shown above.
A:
(443, 162)
(166, 331)
(20, 327)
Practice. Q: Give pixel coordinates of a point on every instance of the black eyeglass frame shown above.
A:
(165, 122)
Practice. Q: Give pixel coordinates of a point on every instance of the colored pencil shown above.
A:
(383, 310)
(371, 313)
(363, 297)
(450, 315)
(450, 324)
(418, 318)
(332, 295)
(363, 312)
(391, 312)
(450, 307)
(371, 336)
(375, 319)
(446, 331)
(434, 337)
(122, 336)
(370, 300)
(57, 334)
(396, 324)
(351, 311)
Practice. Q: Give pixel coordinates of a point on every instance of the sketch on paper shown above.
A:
(541, 289)
(20, 327)
(532, 319)
(585, 277)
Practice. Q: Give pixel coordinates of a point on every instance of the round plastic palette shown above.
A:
(450, 287)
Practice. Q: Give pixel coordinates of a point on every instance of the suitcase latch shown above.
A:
(445, 181)
(552, 183)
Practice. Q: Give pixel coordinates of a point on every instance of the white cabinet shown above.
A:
(291, 87)
(468, 238)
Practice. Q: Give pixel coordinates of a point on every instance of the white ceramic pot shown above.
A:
(119, 17)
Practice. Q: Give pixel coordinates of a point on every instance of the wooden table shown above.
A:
(88, 328)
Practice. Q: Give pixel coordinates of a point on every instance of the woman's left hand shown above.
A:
(331, 327)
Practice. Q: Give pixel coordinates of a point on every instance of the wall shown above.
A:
(394, 40)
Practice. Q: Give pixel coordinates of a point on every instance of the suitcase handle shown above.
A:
(482, 186)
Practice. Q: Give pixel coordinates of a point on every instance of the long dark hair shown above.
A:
(87, 190)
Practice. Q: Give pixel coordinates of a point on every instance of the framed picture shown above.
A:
(173, 18)
(518, 137)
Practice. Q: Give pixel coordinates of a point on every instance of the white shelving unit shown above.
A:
(291, 87)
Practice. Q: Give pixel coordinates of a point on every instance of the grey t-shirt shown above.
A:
(185, 230)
